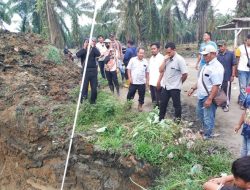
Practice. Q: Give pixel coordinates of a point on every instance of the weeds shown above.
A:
(53, 54)
(141, 134)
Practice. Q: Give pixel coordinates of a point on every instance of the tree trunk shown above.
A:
(56, 37)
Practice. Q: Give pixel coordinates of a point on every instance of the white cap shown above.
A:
(107, 41)
(208, 49)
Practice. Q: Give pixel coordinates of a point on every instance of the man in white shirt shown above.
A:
(210, 77)
(173, 73)
(102, 48)
(153, 72)
(242, 55)
(137, 74)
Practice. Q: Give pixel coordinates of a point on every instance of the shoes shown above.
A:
(226, 109)
(140, 107)
(242, 107)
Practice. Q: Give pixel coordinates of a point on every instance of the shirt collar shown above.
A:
(223, 53)
(212, 61)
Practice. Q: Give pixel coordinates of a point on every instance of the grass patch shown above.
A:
(129, 132)
(53, 54)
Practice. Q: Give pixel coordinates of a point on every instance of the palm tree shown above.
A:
(75, 9)
(201, 16)
(5, 13)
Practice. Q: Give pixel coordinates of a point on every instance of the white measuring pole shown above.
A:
(79, 98)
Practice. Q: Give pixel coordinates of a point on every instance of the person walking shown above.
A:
(130, 52)
(91, 71)
(228, 60)
(173, 74)
(102, 48)
(155, 62)
(210, 78)
(137, 73)
(111, 71)
(206, 41)
(243, 65)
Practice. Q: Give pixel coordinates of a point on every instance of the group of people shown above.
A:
(164, 75)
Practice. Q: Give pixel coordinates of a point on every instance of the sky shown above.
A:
(223, 6)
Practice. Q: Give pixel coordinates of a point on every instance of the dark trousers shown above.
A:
(112, 80)
(155, 95)
(90, 78)
(141, 91)
(175, 94)
(101, 66)
(226, 87)
(126, 74)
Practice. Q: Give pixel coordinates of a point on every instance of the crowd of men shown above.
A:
(164, 74)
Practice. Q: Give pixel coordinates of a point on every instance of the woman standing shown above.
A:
(111, 71)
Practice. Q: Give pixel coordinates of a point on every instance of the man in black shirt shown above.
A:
(91, 72)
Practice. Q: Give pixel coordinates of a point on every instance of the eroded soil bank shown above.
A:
(33, 146)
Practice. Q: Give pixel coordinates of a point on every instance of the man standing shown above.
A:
(210, 77)
(137, 72)
(227, 59)
(206, 41)
(91, 72)
(130, 52)
(102, 48)
(173, 73)
(243, 56)
(153, 71)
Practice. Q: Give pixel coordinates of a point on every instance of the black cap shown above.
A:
(248, 36)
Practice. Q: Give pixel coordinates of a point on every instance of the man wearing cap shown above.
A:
(242, 56)
(91, 71)
(210, 77)
(206, 41)
(228, 60)
(102, 48)
(173, 73)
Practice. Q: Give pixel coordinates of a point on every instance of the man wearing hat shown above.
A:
(228, 60)
(91, 71)
(243, 62)
(210, 77)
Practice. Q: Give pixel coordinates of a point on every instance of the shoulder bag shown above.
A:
(220, 99)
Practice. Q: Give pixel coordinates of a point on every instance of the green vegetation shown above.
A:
(53, 54)
(115, 127)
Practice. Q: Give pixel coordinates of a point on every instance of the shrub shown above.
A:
(53, 54)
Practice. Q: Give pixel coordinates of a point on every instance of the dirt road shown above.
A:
(225, 121)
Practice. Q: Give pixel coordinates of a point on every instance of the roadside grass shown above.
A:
(115, 127)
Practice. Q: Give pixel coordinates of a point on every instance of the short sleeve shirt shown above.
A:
(212, 74)
(102, 48)
(138, 70)
(228, 60)
(241, 53)
(202, 47)
(172, 77)
(153, 68)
